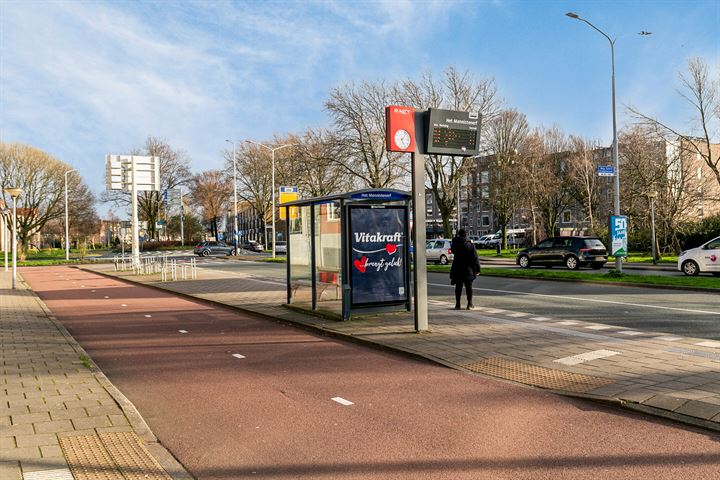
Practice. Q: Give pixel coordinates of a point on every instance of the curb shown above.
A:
(166, 460)
(615, 402)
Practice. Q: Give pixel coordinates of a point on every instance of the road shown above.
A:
(234, 396)
(677, 312)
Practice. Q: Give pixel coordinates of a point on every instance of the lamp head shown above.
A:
(14, 191)
(573, 15)
(643, 32)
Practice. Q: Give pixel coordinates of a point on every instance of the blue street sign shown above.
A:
(606, 170)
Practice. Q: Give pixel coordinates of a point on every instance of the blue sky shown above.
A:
(83, 79)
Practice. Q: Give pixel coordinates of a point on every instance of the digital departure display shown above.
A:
(452, 133)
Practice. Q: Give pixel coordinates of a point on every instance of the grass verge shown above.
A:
(274, 260)
(610, 277)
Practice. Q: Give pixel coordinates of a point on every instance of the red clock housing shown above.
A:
(399, 129)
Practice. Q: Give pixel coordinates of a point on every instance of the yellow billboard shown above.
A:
(288, 194)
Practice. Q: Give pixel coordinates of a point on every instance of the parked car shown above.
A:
(515, 238)
(482, 240)
(253, 246)
(705, 258)
(204, 249)
(439, 251)
(572, 252)
(281, 247)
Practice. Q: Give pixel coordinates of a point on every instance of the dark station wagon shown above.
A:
(571, 252)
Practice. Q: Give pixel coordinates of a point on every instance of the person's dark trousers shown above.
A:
(468, 291)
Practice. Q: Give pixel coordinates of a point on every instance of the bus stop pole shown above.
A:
(418, 210)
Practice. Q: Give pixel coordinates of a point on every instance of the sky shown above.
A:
(82, 79)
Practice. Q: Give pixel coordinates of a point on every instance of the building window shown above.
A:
(333, 211)
(484, 177)
(567, 216)
(485, 192)
(485, 220)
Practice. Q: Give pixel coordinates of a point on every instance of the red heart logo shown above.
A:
(360, 264)
(713, 258)
(390, 248)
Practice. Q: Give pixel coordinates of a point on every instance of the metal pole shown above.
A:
(273, 202)
(5, 240)
(458, 207)
(135, 226)
(418, 207)
(616, 158)
(652, 229)
(14, 244)
(67, 221)
(182, 221)
(235, 231)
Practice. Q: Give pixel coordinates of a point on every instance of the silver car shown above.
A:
(439, 251)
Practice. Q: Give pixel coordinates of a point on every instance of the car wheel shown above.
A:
(597, 265)
(232, 252)
(571, 262)
(690, 268)
(205, 253)
(524, 261)
(443, 260)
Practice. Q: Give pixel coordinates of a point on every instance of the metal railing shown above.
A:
(168, 268)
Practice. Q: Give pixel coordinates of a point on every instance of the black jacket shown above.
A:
(466, 264)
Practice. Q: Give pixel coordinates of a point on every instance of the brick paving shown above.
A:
(49, 389)
(658, 373)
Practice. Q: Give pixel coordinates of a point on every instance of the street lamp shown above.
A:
(235, 225)
(272, 151)
(618, 260)
(651, 196)
(14, 192)
(4, 213)
(67, 226)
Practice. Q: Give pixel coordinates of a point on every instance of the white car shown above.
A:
(703, 259)
(439, 251)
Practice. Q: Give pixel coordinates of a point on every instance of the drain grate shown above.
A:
(110, 456)
(537, 376)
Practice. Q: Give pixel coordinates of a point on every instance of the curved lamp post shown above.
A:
(272, 151)
(14, 192)
(235, 223)
(616, 161)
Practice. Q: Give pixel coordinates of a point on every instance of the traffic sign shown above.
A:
(606, 170)
(288, 194)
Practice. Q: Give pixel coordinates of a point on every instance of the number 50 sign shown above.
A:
(618, 236)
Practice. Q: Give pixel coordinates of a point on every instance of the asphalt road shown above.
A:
(240, 397)
(677, 312)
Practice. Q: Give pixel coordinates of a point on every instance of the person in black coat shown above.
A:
(465, 267)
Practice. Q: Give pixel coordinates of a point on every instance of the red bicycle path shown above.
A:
(270, 414)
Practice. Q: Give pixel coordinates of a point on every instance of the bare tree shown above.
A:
(507, 135)
(585, 185)
(210, 190)
(42, 180)
(359, 116)
(316, 169)
(703, 93)
(454, 91)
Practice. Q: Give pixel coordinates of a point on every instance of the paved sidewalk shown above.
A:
(657, 373)
(60, 417)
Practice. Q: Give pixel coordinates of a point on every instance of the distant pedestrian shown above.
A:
(465, 267)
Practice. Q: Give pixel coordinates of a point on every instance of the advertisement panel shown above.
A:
(378, 242)
(288, 194)
(618, 235)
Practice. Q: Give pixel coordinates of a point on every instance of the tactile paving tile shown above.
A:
(131, 457)
(537, 376)
(88, 459)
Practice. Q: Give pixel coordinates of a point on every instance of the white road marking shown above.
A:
(585, 299)
(586, 357)
(540, 319)
(93, 291)
(630, 332)
(148, 316)
(123, 304)
(342, 401)
(598, 327)
(567, 322)
(709, 343)
(183, 331)
(106, 296)
(237, 355)
(518, 315)
(668, 338)
(493, 310)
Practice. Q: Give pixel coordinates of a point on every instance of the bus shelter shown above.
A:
(349, 252)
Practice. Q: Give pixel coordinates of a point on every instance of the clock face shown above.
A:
(402, 139)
